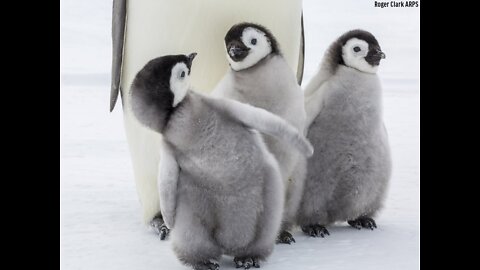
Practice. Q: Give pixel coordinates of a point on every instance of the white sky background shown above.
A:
(100, 213)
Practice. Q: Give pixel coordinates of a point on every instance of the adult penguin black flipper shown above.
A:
(301, 55)
(118, 33)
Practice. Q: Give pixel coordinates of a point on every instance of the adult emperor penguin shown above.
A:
(259, 75)
(220, 188)
(349, 172)
(144, 29)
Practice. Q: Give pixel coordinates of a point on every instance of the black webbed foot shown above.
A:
(315, 230)
(285, 238)
(363, 222)
(159, 227)
(207, 266)
(246, 262)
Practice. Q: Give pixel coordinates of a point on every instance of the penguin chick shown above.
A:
(220, 188)
(348, 175)
(260, 76)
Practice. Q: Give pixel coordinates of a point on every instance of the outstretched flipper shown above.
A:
(119, 14)
(263, 121)
(167, 183)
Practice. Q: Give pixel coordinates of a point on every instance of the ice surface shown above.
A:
(101, 224)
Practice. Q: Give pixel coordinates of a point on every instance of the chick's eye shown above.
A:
(356, 49)
(182, 75)
(253, 41)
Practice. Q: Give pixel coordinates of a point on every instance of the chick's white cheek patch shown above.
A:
(178, 84)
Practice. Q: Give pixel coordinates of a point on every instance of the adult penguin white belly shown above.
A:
(145, 29)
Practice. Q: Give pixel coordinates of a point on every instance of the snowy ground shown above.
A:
(100, 214)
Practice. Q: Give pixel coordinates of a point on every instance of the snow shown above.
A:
(101, 224)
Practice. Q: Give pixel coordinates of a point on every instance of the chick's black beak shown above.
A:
(190, 58)
(237, 50)
(374, 56)
(381, 54)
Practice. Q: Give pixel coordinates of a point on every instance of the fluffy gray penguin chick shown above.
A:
(349, 172)
(260, 76)
(219, 186)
